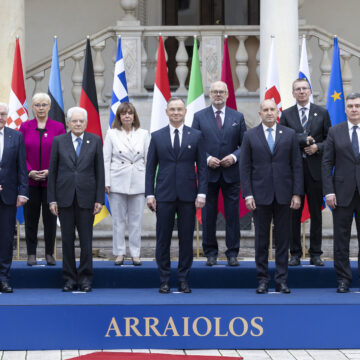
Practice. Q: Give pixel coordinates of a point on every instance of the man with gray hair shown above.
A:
(76, 191)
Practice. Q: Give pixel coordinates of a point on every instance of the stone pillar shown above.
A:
(280, 19)
(12, 19)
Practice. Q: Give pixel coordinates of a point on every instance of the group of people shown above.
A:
(175, 171)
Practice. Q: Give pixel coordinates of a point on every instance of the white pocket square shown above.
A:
(235, 124)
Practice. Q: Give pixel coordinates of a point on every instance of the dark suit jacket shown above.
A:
(268, 176)
(338, 153)
(13, 174)
(83, 176)
(317, 126)
(176, 178)
(221, 143)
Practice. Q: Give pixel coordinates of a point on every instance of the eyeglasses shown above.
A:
(218, 92)
(298, 89)
(41, 105)
(3, 114)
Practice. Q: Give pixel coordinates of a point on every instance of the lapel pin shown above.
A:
(88, 141)
(45, 134)
(189, 146)
(315, 114)
(280, 132)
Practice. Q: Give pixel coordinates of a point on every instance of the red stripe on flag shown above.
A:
(17, 82)
(161, 78)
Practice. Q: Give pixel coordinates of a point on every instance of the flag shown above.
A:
(88, 101)
(18, 110)
(304, 72)
(120, 91)
(335, 103)
(226, 77)
(272, 90)
(55, 92)
(161, 94)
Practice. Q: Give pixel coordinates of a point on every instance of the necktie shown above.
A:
(218, 119)
(78, 148)
(176, 143)
(355, 141)
(270, 139)
(303, 117)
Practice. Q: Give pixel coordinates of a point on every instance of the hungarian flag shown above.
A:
(88, 101)
(272, 90)
(226, 77)
(162, 94)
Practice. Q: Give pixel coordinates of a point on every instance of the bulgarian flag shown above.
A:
(162, 94)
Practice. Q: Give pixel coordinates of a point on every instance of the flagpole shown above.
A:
(303, 240)
(18, 239)
(271, 241)
(197, 239)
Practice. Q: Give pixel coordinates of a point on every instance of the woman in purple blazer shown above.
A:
(38, 136)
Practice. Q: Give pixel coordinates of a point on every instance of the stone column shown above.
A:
(280, 19)
(12, 19)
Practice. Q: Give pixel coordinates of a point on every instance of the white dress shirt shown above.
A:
(307, 110)
(1, 142)
(172, 134)
(74, 137)
(350, 125)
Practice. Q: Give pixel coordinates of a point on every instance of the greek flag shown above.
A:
(120, 92)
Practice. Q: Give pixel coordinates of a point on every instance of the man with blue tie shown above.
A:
(13, 191)
(222, 129)
(174, 150)
(341, 185)
(272, 183)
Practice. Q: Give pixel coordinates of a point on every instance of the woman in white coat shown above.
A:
(125, 151)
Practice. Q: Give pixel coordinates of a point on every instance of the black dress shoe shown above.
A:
(5, 287)
(211, 261)
(233, 261)
(164, 288)
(342, 287)
(262, 288)
(69, 288)
(50, 260)
(31, 260)
(184, 287)
(316, 260)
(85, 288)
(282, 287)
(294, 261)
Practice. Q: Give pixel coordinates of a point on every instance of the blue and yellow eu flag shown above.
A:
(335, 103)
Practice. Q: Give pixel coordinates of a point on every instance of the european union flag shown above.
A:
(335, 103)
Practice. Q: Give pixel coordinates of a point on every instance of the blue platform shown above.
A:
(223, 311)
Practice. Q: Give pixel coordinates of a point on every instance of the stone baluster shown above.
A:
(37, 79)
(181, 68)
(309, 53)
(144, 59)
(76, 77)
(325, 68)
(242, 69)
(258, 63)
(99, 68)
(346, 72)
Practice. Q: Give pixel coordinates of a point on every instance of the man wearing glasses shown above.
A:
(311, 123)
(222, 129)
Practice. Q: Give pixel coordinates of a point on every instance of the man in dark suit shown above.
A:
(175, 149)
(76, 190)
(342, 184)
(13, 191)
(272, 183)
(311, 124)
(222, 129)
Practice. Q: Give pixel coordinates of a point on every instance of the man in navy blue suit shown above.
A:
(174, 150)
(272, 183)
(222, 129)
(13, 191)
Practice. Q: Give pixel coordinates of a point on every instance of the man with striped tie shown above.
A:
(311, 124)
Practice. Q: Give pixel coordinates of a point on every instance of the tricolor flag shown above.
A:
(18, 111)
(88, 101)
(335, 103)
(120, 91)
(161, 94)
(272, 90)
(304, 72)
(226, 77)
(55, 92)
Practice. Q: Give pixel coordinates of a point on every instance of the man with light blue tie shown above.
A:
(272, 183)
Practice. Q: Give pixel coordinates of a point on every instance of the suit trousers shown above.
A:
(262, 219)
(38, 200)
(313, 191)
(7, 226)
(231, 196)
(82, 219)
(165, 216)
(342, 220)
(130, 209)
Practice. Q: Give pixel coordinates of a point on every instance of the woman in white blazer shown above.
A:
(125, 151)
